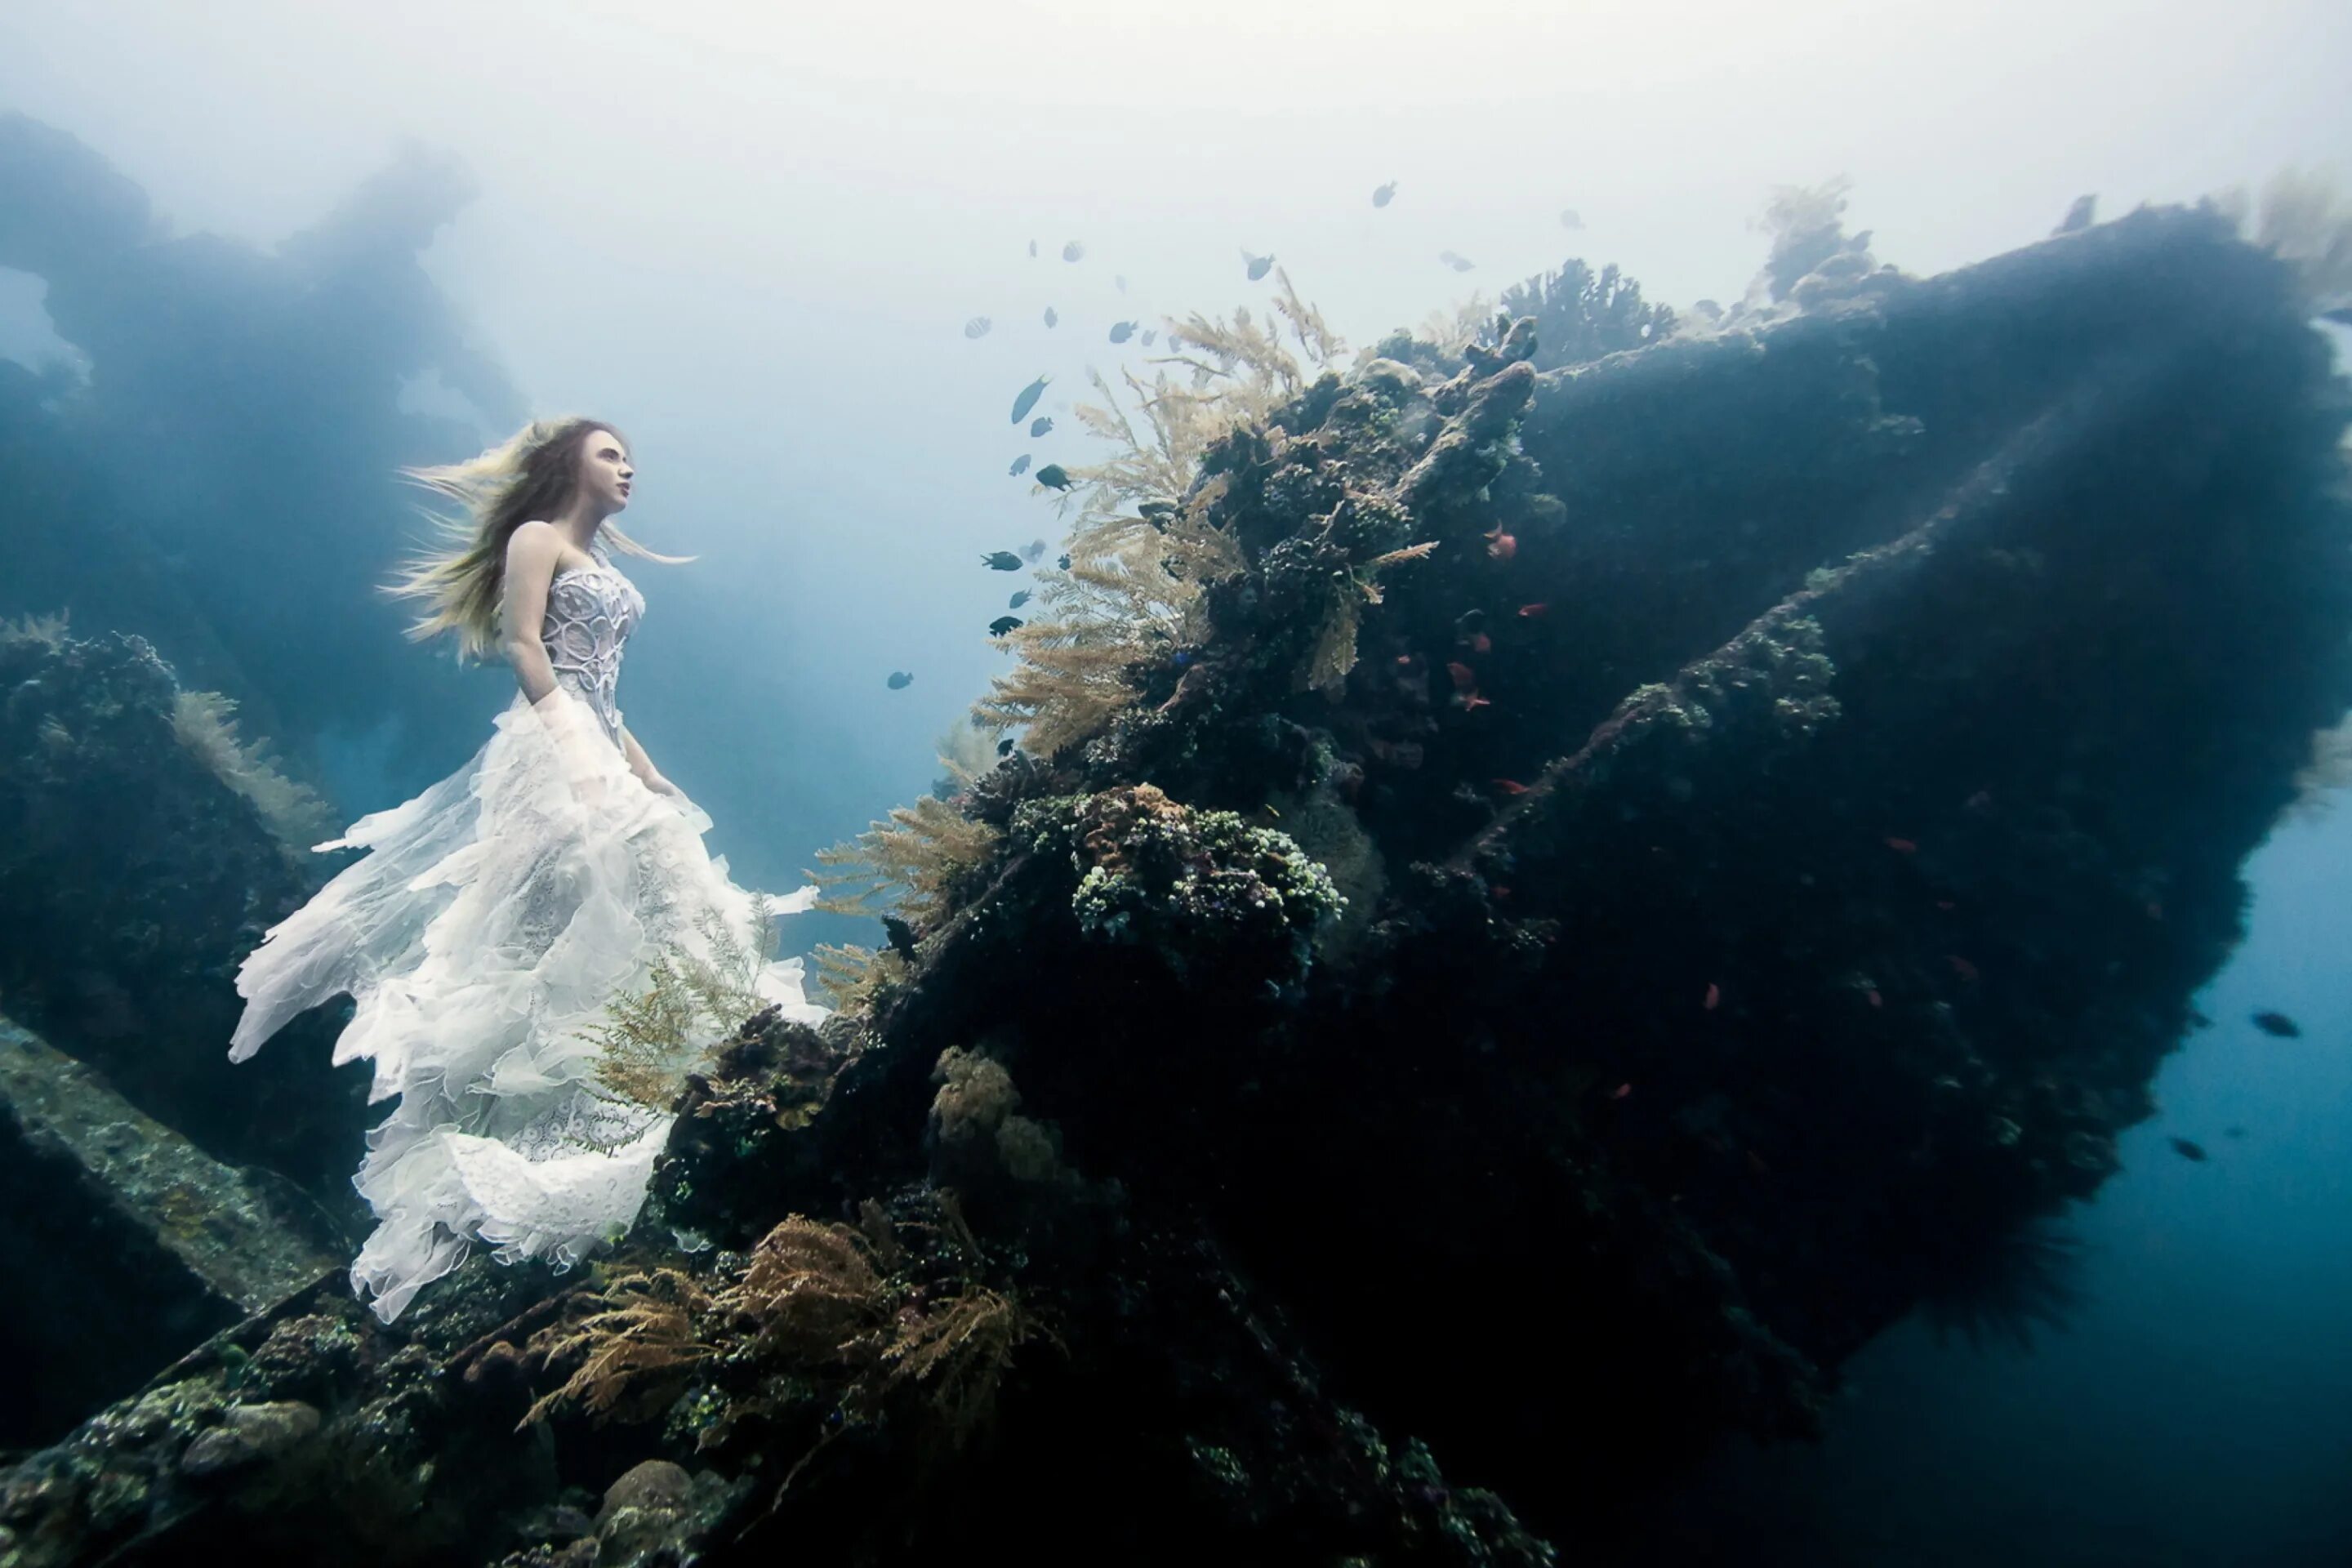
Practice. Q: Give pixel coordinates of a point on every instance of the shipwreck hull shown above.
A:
(1911, 679)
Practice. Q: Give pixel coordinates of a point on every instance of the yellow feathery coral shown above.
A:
(848, 976)
(203, 722)
(49, 631)
(963, 1351)
(1326, 664)
(634, 1349)
(966, 752)
(651, 1039)
(823, 1300)
(1143, 545)
(908, 862)
(1456, 329)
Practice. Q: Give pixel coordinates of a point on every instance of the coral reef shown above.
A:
(1540, 903)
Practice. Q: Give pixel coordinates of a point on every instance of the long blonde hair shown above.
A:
(533, 473)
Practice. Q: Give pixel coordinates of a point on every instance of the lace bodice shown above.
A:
(590, 611)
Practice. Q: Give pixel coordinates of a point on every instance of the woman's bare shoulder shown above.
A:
(533, 544)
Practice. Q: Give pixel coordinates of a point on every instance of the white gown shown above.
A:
(492, 920)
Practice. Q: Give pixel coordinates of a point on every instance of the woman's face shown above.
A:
(605, 472)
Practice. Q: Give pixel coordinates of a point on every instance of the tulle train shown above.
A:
(490, 922)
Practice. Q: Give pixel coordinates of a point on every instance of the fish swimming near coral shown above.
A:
(1119, 278)
(1149, 334)
(1028, 398)
(1018, 600)
(1064, 564)
(1502, 546)
(1568, 218)
(1384, 195)
(1001, 561)
(2278, 1024)
(1459, 263)
(1054, 474)
(1258, 266)
(1033, 551)
(1052, 318)
(900, 681)
(1039, 425)
(1020, 466)
(1073, 251)
(977, 327)
(2187, 1150)
(1004, 747)
(1121, 330)
(1004, 624)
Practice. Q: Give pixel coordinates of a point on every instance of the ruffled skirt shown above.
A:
(483, 937)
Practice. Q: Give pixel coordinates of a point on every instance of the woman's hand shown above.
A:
(643, 766)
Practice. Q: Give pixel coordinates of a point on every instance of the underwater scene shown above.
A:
(1358, 785)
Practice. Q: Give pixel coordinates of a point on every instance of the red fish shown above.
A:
(1509, 786)
(1481, 643)
(1903, 846)
(1532, 612)
(1464, 677)
(1875, 1000)
(1960, 966)
(1473, 702)
(1621, 1091)
(1714, 995)
(1502, 546)
(1403, 659)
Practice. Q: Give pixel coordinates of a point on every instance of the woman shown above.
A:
(498, 916)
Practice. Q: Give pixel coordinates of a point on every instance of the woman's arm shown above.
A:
(643, 766)
(532, 554)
